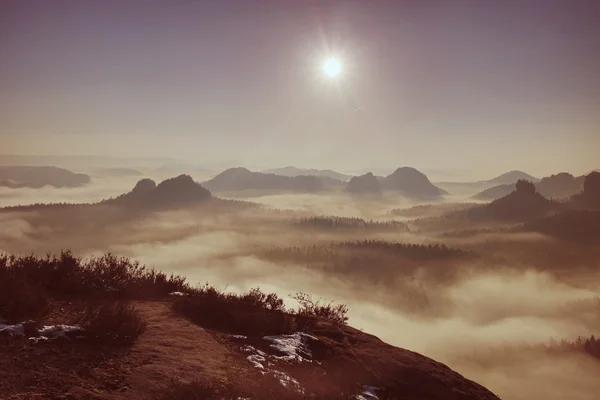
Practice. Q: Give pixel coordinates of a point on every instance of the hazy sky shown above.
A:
(475, 85)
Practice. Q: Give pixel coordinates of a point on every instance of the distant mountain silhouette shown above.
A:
(173, 192)
(411, 183)
(322, 173)
(589, 198)
(591, 189)
(499, 186)
(237, 179)
(37, 177)
(511, 177)
(118, 172)
(495, 192)
(364, 184)
(557, 186)
(524, 203)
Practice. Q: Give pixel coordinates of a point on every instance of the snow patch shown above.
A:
(239, 337)
(369, 393)
(56, 331)
(177, 294)
(287, 381)
(257, 360)
(47, 332)
(12, 330)
(294, 347)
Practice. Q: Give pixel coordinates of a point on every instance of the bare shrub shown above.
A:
(111, 322)
(252, 314)
(19, 299)
(310, 308)
(66, 276)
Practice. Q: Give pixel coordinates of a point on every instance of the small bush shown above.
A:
(66, 276)
(310, 308)
(112, 322)
(252, 314)
(19, 299)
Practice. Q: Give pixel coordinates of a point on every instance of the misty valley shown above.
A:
(280, 277)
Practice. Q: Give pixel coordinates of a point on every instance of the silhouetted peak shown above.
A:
(562, 176)
(411, 183)
(408, 171)
(525, 188)
(366, 183)
(179, 190)
(144, 186)
(511, 177)
(178, 180)
(591, 187)
(235, 171)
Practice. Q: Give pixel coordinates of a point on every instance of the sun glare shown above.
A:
(332, 67)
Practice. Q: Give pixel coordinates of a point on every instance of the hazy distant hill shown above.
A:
(580, 222)
(323, 173)
(553, 187)
(171, 192)
(37, 177)
(524, 203)
(589, 198)
(470, 188)
(495, 192)
(118, 172)
(237, 179)
(511, 177)
(364, 184)
(411, 183)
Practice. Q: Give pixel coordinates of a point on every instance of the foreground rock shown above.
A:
(341, 359)
(331, 362)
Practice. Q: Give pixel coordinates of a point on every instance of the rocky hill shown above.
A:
(364, 184)
(511, 177)
(239, 179)
(557, 186)
(524, 203)
(37, 177)
(411, 183)
(172, 192)
(127, 332)
(322, 173)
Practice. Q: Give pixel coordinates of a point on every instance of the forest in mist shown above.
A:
(509, 305)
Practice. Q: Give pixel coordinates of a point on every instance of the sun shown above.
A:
(332, 67)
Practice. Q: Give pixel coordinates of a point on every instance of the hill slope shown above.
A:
(171, 192)
(364, 184)
(511, 177)
(238, 179)
(174, 348)
(37, 177)
(411, 183)
(322, 173)
(524, 203)
(553, 187)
